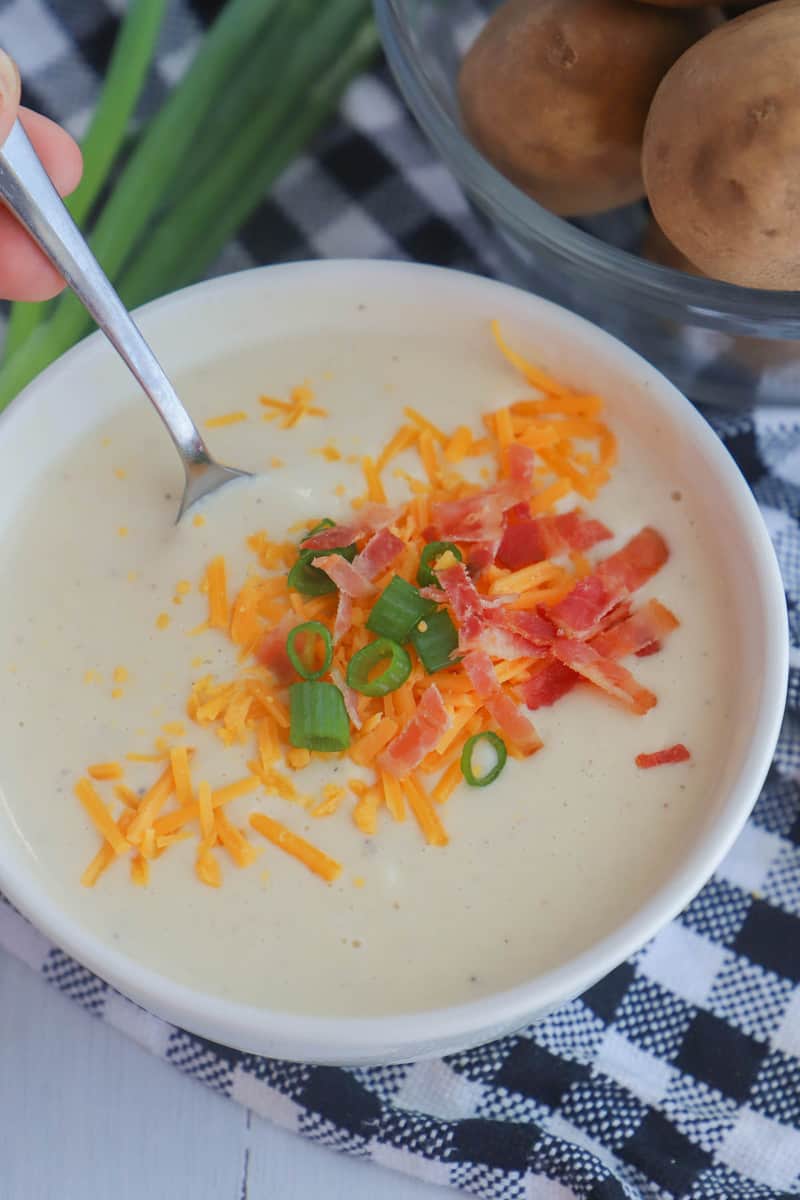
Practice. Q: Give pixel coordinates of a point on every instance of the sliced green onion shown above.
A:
(318, 717)
(363, 663)
(398, 609)
(501, 754)
(311, 581)
(426, 576)
(303, 666)
(435, 638)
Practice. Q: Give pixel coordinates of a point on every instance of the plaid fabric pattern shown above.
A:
(676, 1076)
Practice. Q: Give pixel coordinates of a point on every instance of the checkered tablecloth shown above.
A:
(679, 1074)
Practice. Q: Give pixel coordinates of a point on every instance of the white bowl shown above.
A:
(195, 326)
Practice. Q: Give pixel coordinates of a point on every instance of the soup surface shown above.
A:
(553, 855)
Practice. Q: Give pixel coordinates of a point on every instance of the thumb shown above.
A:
(9, 94)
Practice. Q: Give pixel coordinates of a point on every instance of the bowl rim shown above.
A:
(352, 1040)
(664, 290)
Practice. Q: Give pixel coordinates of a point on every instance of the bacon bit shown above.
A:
(660, 758)
(231, 418)
(371, 518)
(533, 540)
(100, 817)
(532, 626)
(344, 575)
(636, 562)
(316, 861)
(548, 685)
(105, 770)
(379, 553)
(464, 599)
(641, 633)
(217, 587)
(271, 652)
(477, 518)
(482, 674)
(407, 750)
(344, 617)
(605, 674)
(580, 614)
(519, 731)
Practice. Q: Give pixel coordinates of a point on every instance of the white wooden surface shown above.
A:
(86, 1113)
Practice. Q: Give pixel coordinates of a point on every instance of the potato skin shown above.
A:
(555, 94)
(722, 147)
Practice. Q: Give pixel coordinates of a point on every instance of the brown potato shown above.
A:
(657, 247)
(722, 147)
(555, 94)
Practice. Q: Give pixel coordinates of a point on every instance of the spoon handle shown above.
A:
(26, 189)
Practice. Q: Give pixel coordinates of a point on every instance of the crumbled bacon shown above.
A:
(514, 724)
(370, 518)
(660, 758)
(272, 651)
(349, 696)
(482, 674)
(636, 562)
(641, 632)
(535, 539)
(465, 601)
(344, 575)
(380, 551)
(408, 748)
(520, 461)
(581, 612)
(344, 616)
(548, 684)
(604, 673)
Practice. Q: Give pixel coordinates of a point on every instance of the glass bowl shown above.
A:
(720, 344)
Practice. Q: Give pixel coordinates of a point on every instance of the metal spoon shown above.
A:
(26, 189)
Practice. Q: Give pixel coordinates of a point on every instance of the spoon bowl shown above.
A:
(26, 190)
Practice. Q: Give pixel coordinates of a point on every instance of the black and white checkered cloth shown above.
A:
(679, 1074)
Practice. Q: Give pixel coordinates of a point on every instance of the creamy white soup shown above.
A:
(559, 850)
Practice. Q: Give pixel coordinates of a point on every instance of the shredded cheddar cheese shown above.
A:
(575, 453)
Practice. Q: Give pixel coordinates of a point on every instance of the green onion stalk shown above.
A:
(267, 76)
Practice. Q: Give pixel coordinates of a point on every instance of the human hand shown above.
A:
(25, 273)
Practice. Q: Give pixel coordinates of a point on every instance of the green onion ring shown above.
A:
(312, 628)
(396, 673)
(499, 747)
(426, 576)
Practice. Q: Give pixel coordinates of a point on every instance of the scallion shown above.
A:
(426, 576)
(435, 638)
(308, 580)
(397, 610)
(501, 754)
(362, 664)
(317, 717)
(304, 665)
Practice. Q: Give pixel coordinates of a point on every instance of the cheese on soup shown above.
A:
(238, 847)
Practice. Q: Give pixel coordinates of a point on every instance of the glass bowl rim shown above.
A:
(723, 306)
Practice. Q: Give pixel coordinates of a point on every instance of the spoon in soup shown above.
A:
(27, 191)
